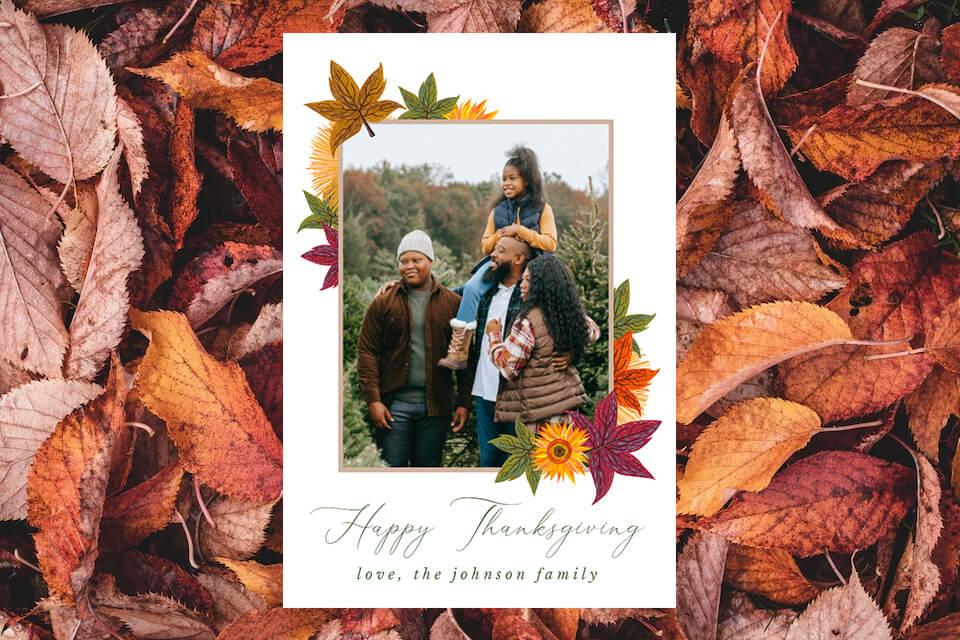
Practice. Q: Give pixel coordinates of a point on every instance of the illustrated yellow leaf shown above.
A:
(353, 107)
(263, 579)
(771, 573)
(220, 430)
(738, 347)
(255, 104)
(742, 450)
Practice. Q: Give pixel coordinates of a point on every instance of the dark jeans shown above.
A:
(487, 430)
(414, 439)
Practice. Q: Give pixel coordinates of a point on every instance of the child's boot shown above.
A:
(459, 351)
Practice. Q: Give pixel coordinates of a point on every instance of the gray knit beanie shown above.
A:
(416, 240)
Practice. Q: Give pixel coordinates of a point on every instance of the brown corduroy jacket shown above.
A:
(383, 348)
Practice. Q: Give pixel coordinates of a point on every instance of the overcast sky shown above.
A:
(476, 151)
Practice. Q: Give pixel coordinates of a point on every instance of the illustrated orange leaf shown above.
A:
(930, 406)
(891, 295)
(742, 450)
(352, 106)
(898, 57)
(736, 33)
(771, 573)
(222, 434)
(28, 415)
(59, 116)
(263, 579)
(768, 164)
(852, 142)
(33, 335)
(101, 312)
(241, 35)
(943, 341)
(629, 383)
(134, 514)
(255, 104)
(66, 488)
(699, 578)
(759, 258)
(703, 210)
(832, 501)
(876, 209)
(738, 347)
(842, 612)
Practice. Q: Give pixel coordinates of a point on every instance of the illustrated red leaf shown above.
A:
(834, 500)
(327, 255)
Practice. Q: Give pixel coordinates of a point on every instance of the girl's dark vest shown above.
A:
(506, 213)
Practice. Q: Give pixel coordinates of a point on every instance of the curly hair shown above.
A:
(553, 289)
(525, 160)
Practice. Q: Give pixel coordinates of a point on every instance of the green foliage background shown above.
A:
(382, 204)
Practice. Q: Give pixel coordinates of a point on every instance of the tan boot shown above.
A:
(459, 351)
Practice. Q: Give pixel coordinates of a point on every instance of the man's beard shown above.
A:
(498, 273)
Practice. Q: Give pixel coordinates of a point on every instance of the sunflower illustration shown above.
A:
(324, 167)
(560, 451)
(468, 111)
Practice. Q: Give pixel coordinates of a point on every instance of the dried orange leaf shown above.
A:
(842, 612)
(898, 57)
(699, 578)
(738, 347)
(759, 258)
(742, 450)
(263, 579)
(254, 103)
(943, 341)
(186, 178)
(736, 33)
(289, 624)
(101, 313)
(240, 529)
(230, 598)
(134, 514)
(66, 488)
(562, 16)
(28, 415)
(740, 619)
(832, 501)
(924, 573)
(945, 627)
(130, 134)
(950, 52)
(151, 615)
(59, 106)
(702, 211)
(222, 434)
(771, 573)
(477, 16)
(33, 335)
(930, 406)
(891, 295)
(769, 165)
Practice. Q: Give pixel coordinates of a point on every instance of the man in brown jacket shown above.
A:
(404, 334)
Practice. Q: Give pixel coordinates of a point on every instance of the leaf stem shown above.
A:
(943, 231)
(21, 93)
(367, 125)
(896, 354)
(802, 139)
(877, 343)
(203, 505)
(186, 531)
(850, 427)
(182, 19)
(19, 558)
(911, 92)
(140, 425)
(826, 553)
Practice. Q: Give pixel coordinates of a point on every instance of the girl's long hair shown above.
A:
(553, 289)
(525, 160)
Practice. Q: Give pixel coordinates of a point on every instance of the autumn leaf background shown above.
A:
(817, 217)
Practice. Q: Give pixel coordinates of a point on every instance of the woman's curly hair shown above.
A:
(525, 160)
(553, 289)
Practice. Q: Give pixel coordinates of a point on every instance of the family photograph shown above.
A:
(476, 288)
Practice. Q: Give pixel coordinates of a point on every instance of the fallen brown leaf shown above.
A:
(842, 612)
(771, 573)
(699, 576)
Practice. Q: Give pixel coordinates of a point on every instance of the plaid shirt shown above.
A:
(483, 310)
(511, 355)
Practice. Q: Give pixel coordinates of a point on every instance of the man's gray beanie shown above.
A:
(416, 240)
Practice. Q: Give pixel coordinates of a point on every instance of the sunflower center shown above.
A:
(559, 451)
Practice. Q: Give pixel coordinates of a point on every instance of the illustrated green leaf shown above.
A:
(533, 478)
(621, 300)
(526, 436)
(508, 443)
(513, 467)
(424, 105)
(635, 322)
(320, 214)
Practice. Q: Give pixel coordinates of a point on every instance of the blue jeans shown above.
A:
(414, 439)
(472, 292)
(487, 430)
